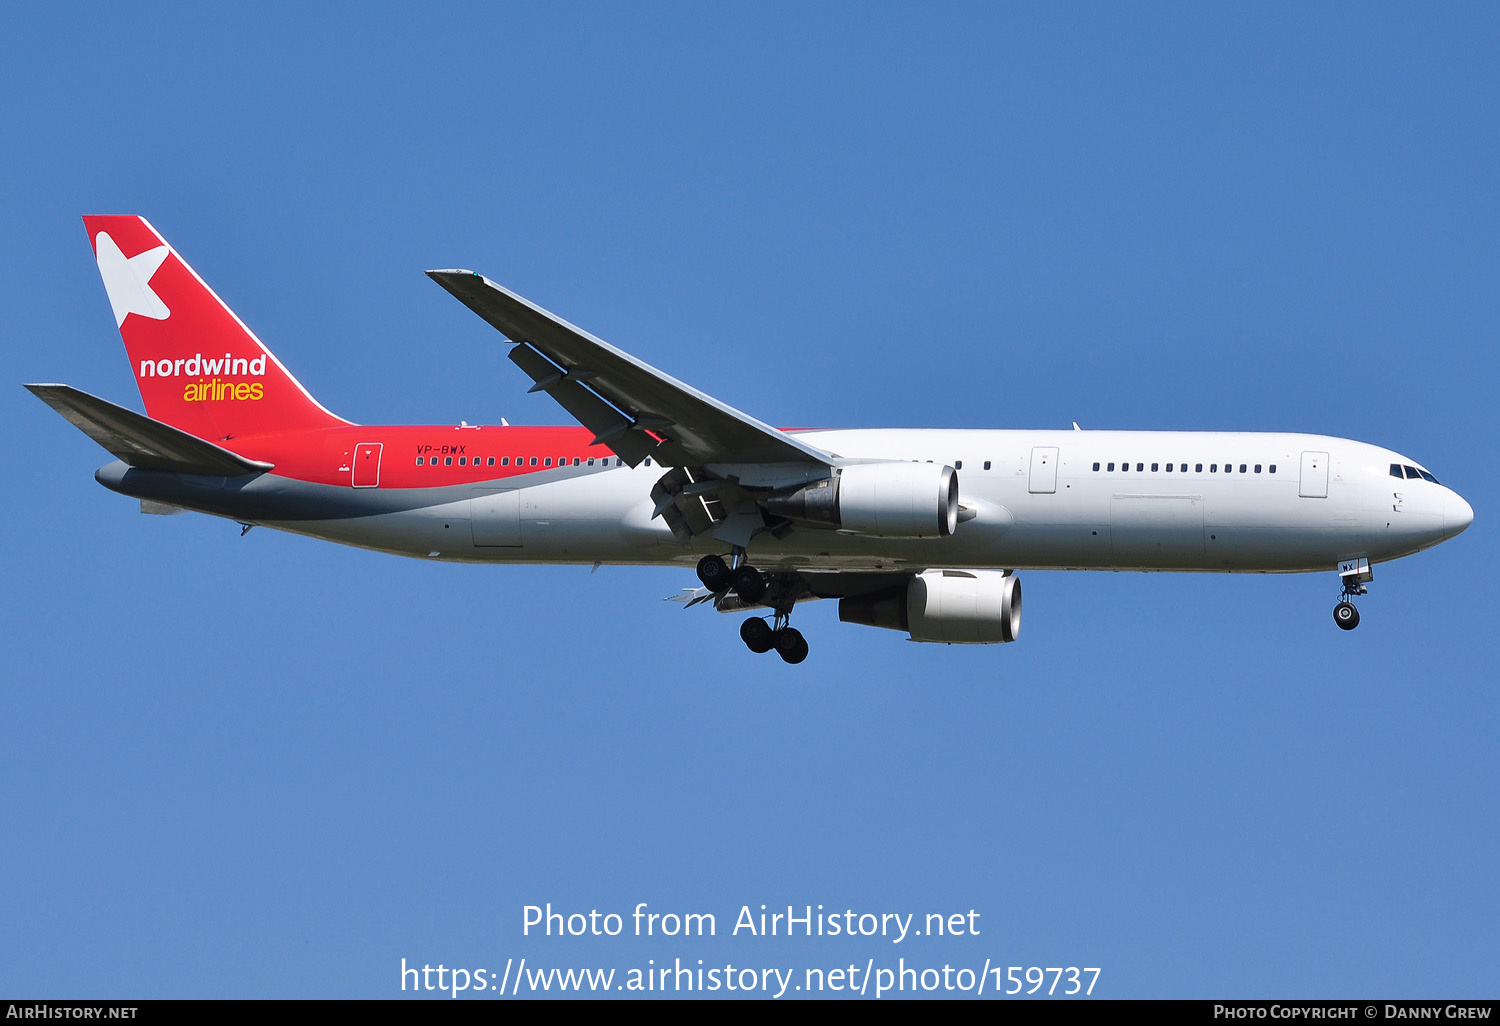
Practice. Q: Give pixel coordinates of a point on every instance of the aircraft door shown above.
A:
(1043, 470)
(367, 464)
(495, 516)
(1314, 475)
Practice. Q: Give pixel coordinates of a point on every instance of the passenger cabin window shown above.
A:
(490, 462)
(447, 461)
(1257, 468)
(1199, 469)
(1140, 467)
(420, 461)
(505, 461)
(1169, 468)
(959, 465)
(1154, 467)
(1213, 468)
(1273, 468)
(533, 461)
(986, 464)
(1111, 468)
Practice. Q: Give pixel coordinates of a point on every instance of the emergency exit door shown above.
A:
(1314, 475)
(367, 464)
(1044, 470)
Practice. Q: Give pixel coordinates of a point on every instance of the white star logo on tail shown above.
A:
(128, 280)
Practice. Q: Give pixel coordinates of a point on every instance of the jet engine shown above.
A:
(955, 607)
(883, 500)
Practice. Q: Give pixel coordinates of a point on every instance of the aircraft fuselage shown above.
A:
(912, 530)
(1230, 502)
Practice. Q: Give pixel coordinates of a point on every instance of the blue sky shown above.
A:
(274, 767)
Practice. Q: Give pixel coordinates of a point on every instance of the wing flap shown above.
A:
(140, 441)
(657, 414)
(610, 426)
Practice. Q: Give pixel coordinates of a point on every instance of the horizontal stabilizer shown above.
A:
(140, 441)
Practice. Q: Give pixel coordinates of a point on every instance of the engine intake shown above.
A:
(882, 500)
(954, 607)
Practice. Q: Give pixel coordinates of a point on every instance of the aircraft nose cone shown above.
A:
(1457, 514)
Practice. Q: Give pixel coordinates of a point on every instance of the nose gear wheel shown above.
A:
(1346, 616)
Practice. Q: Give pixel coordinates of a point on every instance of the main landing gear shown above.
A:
(1355, 573)
(746, 581)
(714, 573)
(750, 585)
(760, 636)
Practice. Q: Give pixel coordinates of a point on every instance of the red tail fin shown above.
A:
(197, 365)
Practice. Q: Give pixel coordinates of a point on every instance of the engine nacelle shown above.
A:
(882, 500)
(955, 607)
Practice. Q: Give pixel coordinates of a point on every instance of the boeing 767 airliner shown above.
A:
(914, 530)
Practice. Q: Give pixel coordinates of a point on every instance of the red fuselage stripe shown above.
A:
(415, 456)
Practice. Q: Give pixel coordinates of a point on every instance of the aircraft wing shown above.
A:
(633, 408)
(140, 441)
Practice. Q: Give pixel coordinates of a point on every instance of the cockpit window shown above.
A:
(1406, 472)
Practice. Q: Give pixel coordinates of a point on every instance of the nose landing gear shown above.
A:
(1355, 573)
(1345, 615)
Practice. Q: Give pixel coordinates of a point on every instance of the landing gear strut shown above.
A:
(1355, 573)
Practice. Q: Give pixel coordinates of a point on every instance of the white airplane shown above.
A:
(913, 530)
